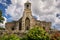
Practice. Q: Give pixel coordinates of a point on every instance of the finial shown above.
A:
(27, 0)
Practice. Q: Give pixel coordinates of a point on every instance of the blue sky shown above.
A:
(44, 10)
(3, 5)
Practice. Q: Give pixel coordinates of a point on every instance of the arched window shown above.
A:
(13, 28)
(44, 28)
(20, 25)
(27, 24)
(27, 6)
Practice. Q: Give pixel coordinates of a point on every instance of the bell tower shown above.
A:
(27, 19)
(27, 5)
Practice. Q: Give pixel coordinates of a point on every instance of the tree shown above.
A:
(2, 28)
(1, 18)
(37, 33)
(10, 37)
(58, 38)
(55, 36)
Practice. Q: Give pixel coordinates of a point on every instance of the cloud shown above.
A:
(47, 10)
(3, 2)
(3, 24)
(15, 9)
(43, 9)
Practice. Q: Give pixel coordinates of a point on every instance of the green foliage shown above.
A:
(58, 38)
(10, 37)
(37, 33)
(2, 28)
(1, 18)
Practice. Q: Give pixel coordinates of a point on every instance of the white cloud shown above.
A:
(43, 9)
(47, 10)
(15, 9)
(3, 24)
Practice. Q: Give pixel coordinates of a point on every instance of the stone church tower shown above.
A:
(26, 22)
(27, 19)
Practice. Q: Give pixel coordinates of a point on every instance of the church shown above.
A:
(26, 22)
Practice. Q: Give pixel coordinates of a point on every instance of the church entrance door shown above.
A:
(27, 24)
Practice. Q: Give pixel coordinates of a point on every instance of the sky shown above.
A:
(44, 10)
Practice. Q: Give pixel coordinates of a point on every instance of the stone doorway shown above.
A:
(27, 23)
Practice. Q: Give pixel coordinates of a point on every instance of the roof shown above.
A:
(27, 1)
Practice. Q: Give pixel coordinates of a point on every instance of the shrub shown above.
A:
(10, 37)
(37, 33)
